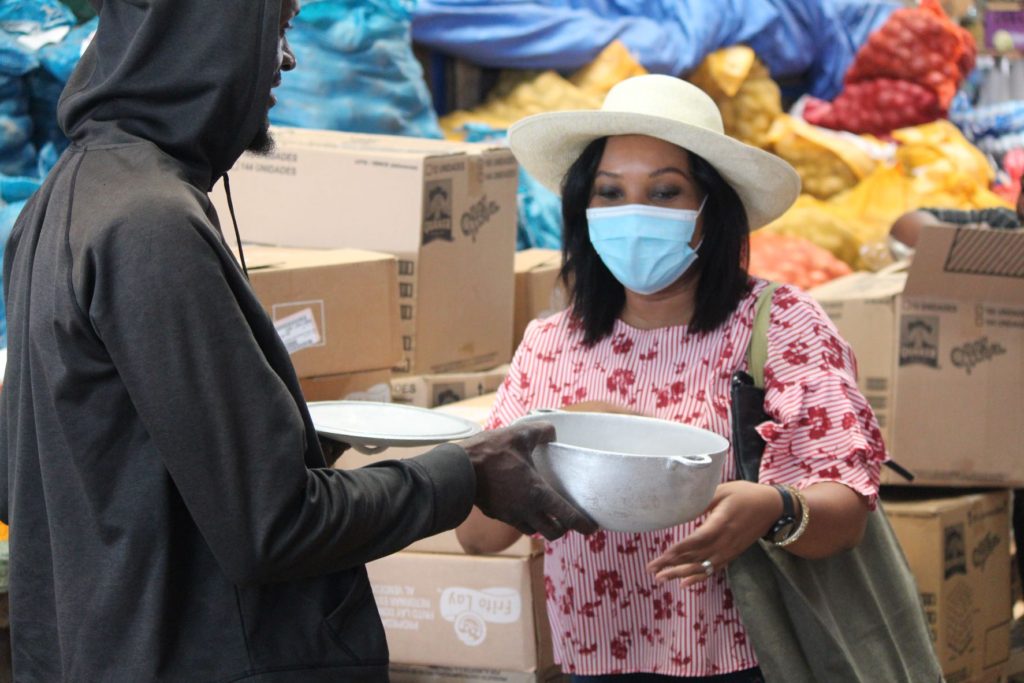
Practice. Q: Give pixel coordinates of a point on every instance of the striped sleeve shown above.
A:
(821, 427)
(509, 405)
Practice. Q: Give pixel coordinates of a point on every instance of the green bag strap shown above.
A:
(757, 352)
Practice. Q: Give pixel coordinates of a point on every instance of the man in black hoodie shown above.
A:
(172, 516)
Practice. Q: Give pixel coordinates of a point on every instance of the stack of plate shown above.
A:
(373, 427)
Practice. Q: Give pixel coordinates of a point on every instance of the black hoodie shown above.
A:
(171, 514)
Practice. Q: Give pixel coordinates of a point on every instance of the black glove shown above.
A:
(332, 449)
(509, 489)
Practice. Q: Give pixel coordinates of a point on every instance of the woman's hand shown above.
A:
(740, 513)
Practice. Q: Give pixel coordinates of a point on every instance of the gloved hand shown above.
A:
(332, 449)
(509, 489)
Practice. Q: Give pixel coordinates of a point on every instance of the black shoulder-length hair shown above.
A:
(597, 297)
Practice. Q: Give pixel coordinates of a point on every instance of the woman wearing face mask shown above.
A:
(658, 204)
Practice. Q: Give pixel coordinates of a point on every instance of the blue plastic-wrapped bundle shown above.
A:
(28, 17)
(25, 27)
(987, 121)
(17, 155)
(60, 59)
(356, 71)
(45, 92)
(995, 129)
(14, 192)
(15, 58)
(540, 215)
(57, 60)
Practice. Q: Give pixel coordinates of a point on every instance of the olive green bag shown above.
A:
(852, 618)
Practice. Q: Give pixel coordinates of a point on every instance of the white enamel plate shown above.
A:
(371, 427)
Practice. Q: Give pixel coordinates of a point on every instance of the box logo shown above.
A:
(973, 353)
(471, 610)
(478, 216)
(919, 341)
(437, 211)
(984, 550)
(955, 550)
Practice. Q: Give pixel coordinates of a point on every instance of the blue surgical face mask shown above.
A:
(646, 248)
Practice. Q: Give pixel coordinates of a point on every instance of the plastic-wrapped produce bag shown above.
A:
(36, 19)
(58, 60)
(32, 25)
(17, 155)
(356, 71)
(14, 192)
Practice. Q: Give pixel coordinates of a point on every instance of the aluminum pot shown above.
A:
(630, 473)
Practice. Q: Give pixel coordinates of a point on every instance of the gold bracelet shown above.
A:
(805, 517)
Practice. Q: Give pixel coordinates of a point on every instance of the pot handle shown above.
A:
(543, 411)
(693, 461)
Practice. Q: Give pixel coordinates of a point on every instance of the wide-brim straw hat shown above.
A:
(670, 109)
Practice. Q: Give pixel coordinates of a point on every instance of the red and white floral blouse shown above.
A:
(607, 614)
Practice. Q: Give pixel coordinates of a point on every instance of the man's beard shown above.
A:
(263, 142)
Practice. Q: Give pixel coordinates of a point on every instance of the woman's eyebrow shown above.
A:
(670, 169)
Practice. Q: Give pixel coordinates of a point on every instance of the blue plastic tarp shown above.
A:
(797, 39)
(14, 192)
(60, 59)
(34, 16)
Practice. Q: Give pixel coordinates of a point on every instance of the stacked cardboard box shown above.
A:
(539, 293)
(940, 350)
(464, 612)
(958, 549)
(446, 210)
(941, 355)
(336, 312)
(431, 391)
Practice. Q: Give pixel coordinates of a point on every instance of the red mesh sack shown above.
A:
(918, 44)
(879, 107)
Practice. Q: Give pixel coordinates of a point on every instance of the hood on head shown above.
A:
(191, 76)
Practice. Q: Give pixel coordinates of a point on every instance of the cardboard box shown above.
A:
(477, 408)
(407, 673)
(464, 612)
(958, 549)
(334, 309)
(447, 543)
(940, 351)
(372, 385)
(431, 391)
(539, 293)
(447, 210)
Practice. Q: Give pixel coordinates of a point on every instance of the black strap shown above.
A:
(748, 397)
(234, 222)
